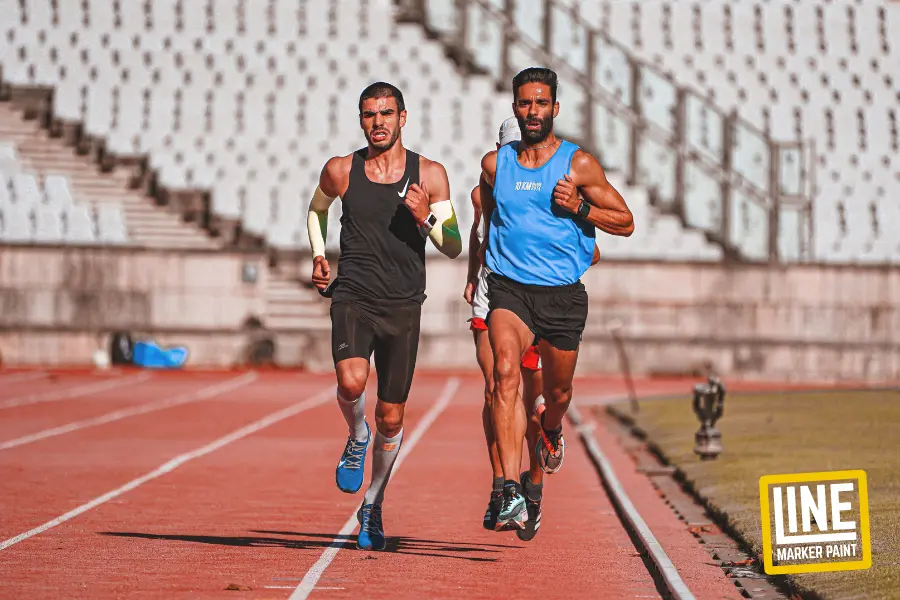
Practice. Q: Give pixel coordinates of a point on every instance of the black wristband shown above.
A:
(584, 209)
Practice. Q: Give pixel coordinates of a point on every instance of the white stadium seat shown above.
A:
(251, 93)
(111, 228)
(48, 224)
(79, 225)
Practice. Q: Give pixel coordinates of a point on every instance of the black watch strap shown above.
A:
(584, 209)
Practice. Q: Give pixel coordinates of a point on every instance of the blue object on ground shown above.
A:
(148, 354)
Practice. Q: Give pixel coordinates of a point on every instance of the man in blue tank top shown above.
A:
(539, 242)
(476, 295)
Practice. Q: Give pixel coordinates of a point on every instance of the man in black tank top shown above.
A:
(393, 200)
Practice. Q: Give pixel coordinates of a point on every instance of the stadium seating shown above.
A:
(822, 73)
(250, 103)
(47, 213)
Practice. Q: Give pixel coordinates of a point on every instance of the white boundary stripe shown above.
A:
(281, 415)
(75, 392)
(671, 578)
(315, 572)
(17, 377)
(202, 394)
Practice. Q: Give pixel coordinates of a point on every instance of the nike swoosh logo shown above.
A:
(405, 185)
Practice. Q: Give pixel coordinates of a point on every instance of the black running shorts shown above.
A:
(554, 313)
(390, 330)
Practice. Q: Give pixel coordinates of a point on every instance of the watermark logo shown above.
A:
(815, 522)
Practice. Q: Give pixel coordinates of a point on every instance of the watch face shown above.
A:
(432, 220)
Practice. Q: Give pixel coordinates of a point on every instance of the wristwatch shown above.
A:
(426, 225)
(584, 209)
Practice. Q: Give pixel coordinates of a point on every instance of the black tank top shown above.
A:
(382, 251)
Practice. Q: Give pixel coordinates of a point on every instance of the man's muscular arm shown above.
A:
(333, 181)
(608, 213)
(486, 192)
(434, 196)
(474, 244)
(330, 187)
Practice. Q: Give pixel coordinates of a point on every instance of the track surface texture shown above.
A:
(221, 485)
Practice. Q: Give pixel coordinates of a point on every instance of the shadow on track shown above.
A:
(309, 541)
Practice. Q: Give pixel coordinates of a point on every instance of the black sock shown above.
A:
(550, 432)
(556, 431)
(498, 485)
(533, 492)
(511, 483)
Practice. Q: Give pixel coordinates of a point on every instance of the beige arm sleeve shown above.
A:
(317, 221)
(445, 233)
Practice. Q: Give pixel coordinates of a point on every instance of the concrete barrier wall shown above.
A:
(804, 304)
(802, 322)
(101, 288)
(56, 304)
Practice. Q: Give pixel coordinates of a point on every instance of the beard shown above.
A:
(535, 137)
(385, 144)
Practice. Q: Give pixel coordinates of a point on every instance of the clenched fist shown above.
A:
(565, 194)
(417, 201)
(321, 274)
(469, 293)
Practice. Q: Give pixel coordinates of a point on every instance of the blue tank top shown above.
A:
(532, 240)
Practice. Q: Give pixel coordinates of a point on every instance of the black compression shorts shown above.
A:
(554, 313)
(390, 330)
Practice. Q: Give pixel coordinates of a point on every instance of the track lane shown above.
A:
(42, 480)
(63, 388)
(259, 512)
(250, 512)
(33, 419)
(433, 512)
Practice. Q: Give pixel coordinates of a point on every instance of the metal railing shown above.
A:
(716, 171)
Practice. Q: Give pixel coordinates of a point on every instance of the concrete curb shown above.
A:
(666, 573)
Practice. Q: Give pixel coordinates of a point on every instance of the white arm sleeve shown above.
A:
(317, 221)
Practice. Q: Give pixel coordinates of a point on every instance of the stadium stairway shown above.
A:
(149, 226)
(293, 306)
(290, 305)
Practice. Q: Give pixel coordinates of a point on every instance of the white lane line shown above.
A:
(675, 585)
(18, 377)
(74, 392)
(315, 572)
(285, 413)
(202, 394)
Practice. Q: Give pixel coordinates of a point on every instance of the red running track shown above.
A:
(257, 510)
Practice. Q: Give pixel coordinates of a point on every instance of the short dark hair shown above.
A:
(381, 89)
(536, 75)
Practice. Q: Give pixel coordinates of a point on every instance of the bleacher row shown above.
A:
(245, 102)
(827, 71)
(822, 72)
(45, 211)
(250, 103)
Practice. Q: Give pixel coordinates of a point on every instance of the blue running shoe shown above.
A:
(513, 512)
(371, 531)
(352, 467)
